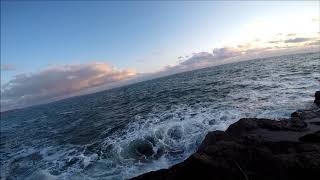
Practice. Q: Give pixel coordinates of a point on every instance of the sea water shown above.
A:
(124, 132)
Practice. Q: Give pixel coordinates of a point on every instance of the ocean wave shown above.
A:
(151, 125)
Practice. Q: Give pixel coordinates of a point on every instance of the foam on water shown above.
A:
(156, 143)
(121, 133)
(42, 175)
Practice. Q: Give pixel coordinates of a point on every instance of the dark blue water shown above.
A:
(123, 132)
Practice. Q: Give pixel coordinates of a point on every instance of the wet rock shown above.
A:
(317, 98)
(255, 149)
(313, 137)
(296, 114)
(212, 138)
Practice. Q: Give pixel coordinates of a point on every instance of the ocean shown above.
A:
(124, 132)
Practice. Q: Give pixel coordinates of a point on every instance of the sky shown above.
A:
(54, 49)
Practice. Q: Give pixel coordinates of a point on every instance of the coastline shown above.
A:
(255, 148)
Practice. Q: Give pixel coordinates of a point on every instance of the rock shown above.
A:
(213, 137)
(255, 149)
(317, 98)
(313, 137)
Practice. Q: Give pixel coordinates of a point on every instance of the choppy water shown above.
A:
(124, 132)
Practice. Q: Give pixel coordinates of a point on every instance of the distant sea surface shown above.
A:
(127, 131)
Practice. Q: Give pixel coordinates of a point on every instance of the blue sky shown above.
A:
(145, 36)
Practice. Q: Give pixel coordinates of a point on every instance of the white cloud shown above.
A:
(58, 82)
(297, 40)
(226, 52)
(282, 43)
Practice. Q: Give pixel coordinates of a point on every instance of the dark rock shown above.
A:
(316, 123)
(296, 114)
(255, 149)
(213, 137)
(317, 98)
(313, 137)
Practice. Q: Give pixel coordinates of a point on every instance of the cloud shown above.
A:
(316, 42)
(292, 39)
(197, 58)
(226, 52)
(201, 60)
(8, 67)
(291, 34)
(316, 19)
(249, 50)
(275, 41)
(59, 81)
(297, 40)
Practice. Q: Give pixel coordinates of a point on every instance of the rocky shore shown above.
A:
(255, 149)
